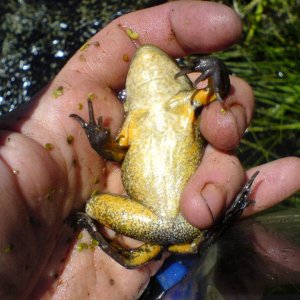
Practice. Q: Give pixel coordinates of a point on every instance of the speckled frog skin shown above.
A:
(160, 147)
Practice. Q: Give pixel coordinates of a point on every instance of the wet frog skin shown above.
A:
(160, 147)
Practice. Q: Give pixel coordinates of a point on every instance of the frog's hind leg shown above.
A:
(128, 258)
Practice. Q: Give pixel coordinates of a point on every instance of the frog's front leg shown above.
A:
(100, 139)
(128, 258)
(213, 69)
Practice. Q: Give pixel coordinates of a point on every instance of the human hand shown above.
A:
(42, 187)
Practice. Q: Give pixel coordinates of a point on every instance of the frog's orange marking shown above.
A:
(204, 97)
(123, 140)
(181, 249)
(123, 136)
(180, 105)
(128, 131)
(183, 109)
(114, 151)
(188, 112)
(190, 248)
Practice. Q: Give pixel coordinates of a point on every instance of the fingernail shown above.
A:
(215, 199)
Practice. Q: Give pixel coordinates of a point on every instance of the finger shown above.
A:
(211, 188)
(276, 181)
(177, 27)
(223, 125)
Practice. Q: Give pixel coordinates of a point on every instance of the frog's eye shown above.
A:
(122, 96)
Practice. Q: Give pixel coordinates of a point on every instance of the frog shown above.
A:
(159, 147)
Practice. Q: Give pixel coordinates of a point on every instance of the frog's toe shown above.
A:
(91, 128)
(219, 97)
(184, 71)
(207, 73)
(79, 120)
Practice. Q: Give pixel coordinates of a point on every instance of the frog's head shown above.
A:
(150, 79)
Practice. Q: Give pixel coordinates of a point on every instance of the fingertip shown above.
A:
(223, 124)
(277, 180)
(194, 29)
(219, 127)
(202, 208)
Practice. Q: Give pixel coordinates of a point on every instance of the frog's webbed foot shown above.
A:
(99, 137)
(96, 133)
(236, 208)
(214, 69)
(128, 258)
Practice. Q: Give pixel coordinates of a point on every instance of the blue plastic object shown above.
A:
(171, 275)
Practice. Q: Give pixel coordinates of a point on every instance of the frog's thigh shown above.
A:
(125, 216)
(187, 248)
